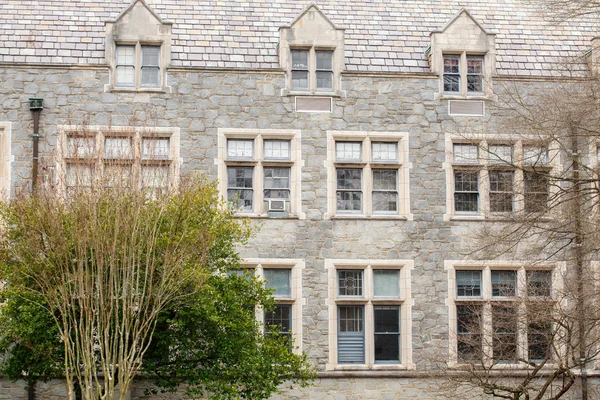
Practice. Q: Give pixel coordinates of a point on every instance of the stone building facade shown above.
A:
(349, 112)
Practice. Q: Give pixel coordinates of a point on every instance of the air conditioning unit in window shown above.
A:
(277, 206)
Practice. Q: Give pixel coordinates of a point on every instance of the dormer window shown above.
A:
(138, 50)
(463, 74)
(311, 51)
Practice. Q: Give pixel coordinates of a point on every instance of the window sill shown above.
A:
(294, 93)
(364, 369)
(458, 217)
(507, 217)
(265, 216)
(474, 96)
(381, 217)
(499, 367)
(116, 89)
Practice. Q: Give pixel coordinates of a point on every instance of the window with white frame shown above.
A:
(284, 278)
(501, 313)
(463, 74)
(487, 179)
(260, 171)
(118, 157)
(369, 175)
(312, 70)
(137, 66)
(369, 313)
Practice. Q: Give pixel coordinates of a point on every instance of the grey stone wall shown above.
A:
(202, 102)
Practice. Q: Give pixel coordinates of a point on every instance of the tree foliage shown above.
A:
(107, 266)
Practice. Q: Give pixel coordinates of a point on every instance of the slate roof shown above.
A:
(381, 36)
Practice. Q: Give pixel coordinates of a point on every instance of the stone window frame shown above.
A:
(127, 30)
(324, 36)
(405, 301)
(484, 165)
(296, 299)
(6, 159)
(403, 166)
(96, 158)
(258, 136)
(486, 301)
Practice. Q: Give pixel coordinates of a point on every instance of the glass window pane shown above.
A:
(385, 179)
(500, 154)
(382, 151)
(539, 283)
(150, 56)
(324, 80)
(125, 55)
(536, 191)
(386, 283)
(300, 80)
(280, 317)
(504, 321)
(466, 153)
(535, 155)
(451, 64)
(350, 282)
(468, 332)
(79, 175)
(468, 283)
(276, 149)
(125, 76)
(239, 187)
(348, 151)
(504, 283)
(300, 59)
(540, 340)
(156, 177)
(387, 333)
(278, 279)
(240, 149)
(277, 183)
(117, 147)
(151, 76)
(324, 60)
(466, 191)
(80, 146)
(501, 191)
(117, 176)
(155, 148)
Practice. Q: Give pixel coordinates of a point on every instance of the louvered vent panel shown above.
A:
(351, 348)
(313, 104)
(466, 107)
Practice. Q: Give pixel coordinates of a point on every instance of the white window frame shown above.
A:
(6, 159)
(367, 165)
(96, 159)
(295, 163)
(486, 300)
(405, 301)
(296, 299)
(485, 164)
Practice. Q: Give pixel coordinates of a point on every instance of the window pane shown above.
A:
(126, 55)
(280, 317)
(535, 155)
(351, 338)
(300, 80)
(539, 340)
(156, 177)
(278, 279)
(79, 175)
(451, 83)
(504, 321)
(150, 56)
(300, 59)
(80, 146)
(500, 154)
(386, 283)
(466, 191)
(151, 76)
(451, 64)
(239, 187)
(385, 195)
(536, 191)
(117, 147)
(385, 202)
(118, 176)
(155, 148)
(324, 80)
(501, 191)
(468, 283)
(466, 153)
(324, 60)
(277, 183)
(125, 76)
(474, 73)
(240, 148)
(349, 178)
(387, 333)
(504, 283)
(349, 194)
(381, 151)
(468, 332)
(348, 151)
(350, 283)
(385, 179)
(276, 149)
(539, 283)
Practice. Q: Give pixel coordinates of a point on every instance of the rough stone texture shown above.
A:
(202, 102)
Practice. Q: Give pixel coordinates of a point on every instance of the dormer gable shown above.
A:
(318, 38)
(146, 38)
(464, 38)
